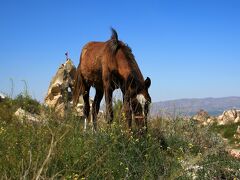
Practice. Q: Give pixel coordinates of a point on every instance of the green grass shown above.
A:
(227, 131)
(172, 149)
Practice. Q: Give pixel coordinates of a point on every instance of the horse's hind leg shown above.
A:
(95, 107)
(86, 108)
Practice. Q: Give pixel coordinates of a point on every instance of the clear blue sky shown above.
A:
(189, 48)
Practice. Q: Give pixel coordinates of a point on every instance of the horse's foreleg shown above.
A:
(95, 107)
(108, 99)
(146, 118)
(127, 111)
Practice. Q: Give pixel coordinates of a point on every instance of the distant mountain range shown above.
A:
(214, 106)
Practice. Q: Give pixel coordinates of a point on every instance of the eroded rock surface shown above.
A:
(59, 93)
(229, 116)
(25, 116)
(203, 117)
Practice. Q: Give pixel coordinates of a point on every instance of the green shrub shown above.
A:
(227, 131)
(172, 149)
(27, 103)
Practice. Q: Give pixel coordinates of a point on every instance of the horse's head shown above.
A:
(140, 104)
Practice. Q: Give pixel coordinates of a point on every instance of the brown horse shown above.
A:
(107, 66)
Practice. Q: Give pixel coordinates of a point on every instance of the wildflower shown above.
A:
(181, 149)
(2, 130)
(190, 145)
(180, 159)
(123, 115)
(76, 176)
(131, 137)
(122, 132)
(111, 134)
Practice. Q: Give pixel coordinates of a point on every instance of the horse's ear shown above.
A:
(147, 82)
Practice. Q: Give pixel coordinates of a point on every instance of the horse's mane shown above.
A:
(114, 45)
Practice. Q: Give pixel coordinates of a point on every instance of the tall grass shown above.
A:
(59, 148)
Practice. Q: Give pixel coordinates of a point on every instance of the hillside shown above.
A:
(214, 106)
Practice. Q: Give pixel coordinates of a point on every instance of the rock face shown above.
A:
(238, 130)
(60, 89)
(26, 116)
(59, 95)
(237, 134)
(203, 117)
(229, 116)
(2, 97)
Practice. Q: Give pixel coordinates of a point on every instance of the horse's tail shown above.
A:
(77, 86)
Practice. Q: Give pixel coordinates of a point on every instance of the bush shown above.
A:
(172, 149)
(227, 131)
(27, 103)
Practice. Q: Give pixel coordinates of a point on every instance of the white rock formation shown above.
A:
(60, 89)
(2, 97)
(229, 116)
(59, 95)
(237, 134)
(23, 115)
(204, 118)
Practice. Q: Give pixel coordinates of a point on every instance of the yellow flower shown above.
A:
(2, 130)
(181, 149)
(75, 177)
(190, 145)
(123, 115)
